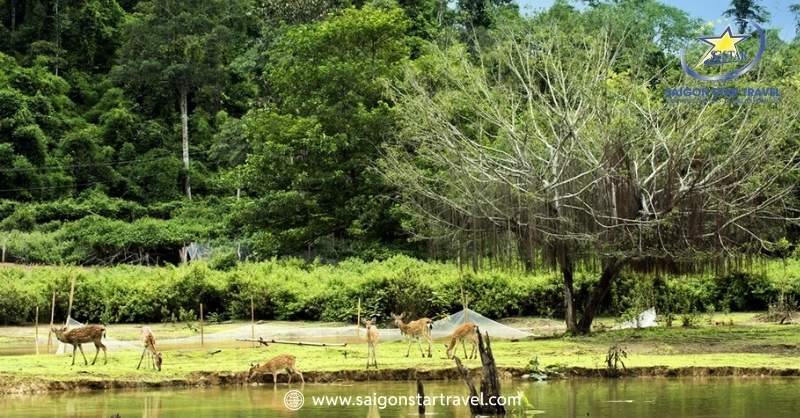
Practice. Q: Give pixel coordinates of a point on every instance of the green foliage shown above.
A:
(310, 168)
(292, 289)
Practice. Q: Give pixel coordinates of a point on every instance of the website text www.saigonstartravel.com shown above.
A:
(296, 400)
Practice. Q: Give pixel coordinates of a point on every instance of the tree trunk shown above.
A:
(525, 248)
(567, 269)
(185, 139)
(13, 15)
(610, 272)
(570, 313)
(58, 37)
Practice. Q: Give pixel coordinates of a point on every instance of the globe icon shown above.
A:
(293, 400)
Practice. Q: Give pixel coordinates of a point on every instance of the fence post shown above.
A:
(358, 319)
(52, 318)
(36, 330)
(71, 298)
(202, 342)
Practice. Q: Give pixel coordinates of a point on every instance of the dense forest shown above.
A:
(257, 128)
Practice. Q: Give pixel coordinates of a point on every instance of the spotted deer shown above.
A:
(76, 337)
(414, 330)
(372, 343)
(467, 331)
(148, 340)
(275, 366)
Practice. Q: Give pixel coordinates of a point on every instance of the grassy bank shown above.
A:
(745, 344)
(290, 289)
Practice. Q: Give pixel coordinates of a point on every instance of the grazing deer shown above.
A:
(372, 343)
(414, 330)
(276, 365)
(148, 339)
(78, 336)
(465, 331)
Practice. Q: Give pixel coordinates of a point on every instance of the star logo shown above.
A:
(723, 44)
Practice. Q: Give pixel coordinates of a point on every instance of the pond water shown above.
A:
(632, 398)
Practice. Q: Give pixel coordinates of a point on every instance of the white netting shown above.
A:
(645, 319)
(110, 343)
(445, 327)
(442, 329)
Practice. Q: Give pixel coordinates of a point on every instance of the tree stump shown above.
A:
(484, 402)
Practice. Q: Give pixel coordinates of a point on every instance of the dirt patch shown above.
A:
(17, 386)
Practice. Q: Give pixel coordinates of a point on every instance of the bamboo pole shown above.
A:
(36, 330)
(463, 294)
(71, 299)
(252, 319)
(52, 318)
(202, 342)
(358, 319)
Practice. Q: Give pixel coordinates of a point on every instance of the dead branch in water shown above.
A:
(485, 401)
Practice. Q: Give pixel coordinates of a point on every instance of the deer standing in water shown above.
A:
(276, 365)
(414, 330)
(78, 336)
(372, 343)
(468, 331)
(148, 339)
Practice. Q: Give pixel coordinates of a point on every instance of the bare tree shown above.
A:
(545, 145)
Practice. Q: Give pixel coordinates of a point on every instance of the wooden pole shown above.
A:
(52, 318)
(358, 319)
(202, 342)
(420, 398)
(71, 298)
(461, 286)
(252, 319)
(36, 330)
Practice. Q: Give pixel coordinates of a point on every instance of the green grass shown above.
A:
(745, 345)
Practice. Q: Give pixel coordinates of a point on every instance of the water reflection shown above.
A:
(633, 398)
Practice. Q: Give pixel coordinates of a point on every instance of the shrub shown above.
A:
(296, 290)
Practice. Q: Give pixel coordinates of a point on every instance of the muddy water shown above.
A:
(631, 398)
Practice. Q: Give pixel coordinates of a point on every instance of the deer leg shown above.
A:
(303, 381)
(370, 354)
(408, 351)
(105, 353)
(80, 347)
(375, 356)
(96, 353)
(428, 337)
(464, 346)
(141, 358)
(419, 344)
(73, 354)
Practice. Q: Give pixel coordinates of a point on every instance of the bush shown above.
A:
(291, 289)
